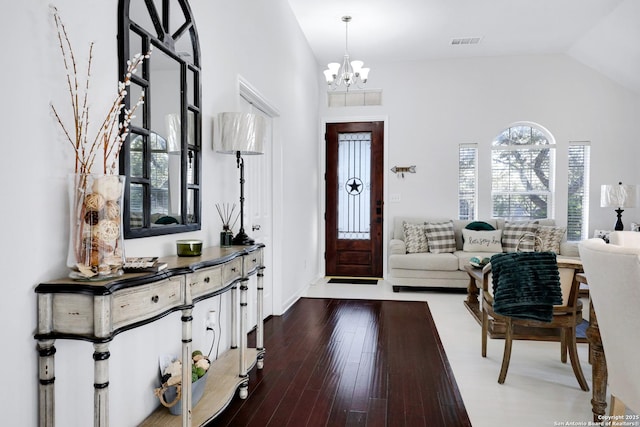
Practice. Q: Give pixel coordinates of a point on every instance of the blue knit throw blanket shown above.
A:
(526, 285)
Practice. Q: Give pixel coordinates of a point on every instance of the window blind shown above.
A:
(467, 181)
(578, 191)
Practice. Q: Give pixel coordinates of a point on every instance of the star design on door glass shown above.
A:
(354, 186)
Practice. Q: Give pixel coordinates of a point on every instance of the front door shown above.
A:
(354, 206)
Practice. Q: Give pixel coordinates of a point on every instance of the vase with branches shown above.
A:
(96, 245)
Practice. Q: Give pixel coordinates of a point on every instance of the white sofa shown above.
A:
(443, 270)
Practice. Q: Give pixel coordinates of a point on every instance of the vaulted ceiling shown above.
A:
(602, 34)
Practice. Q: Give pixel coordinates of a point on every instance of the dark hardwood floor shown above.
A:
(350, 363)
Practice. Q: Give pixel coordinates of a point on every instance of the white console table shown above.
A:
(96, 311)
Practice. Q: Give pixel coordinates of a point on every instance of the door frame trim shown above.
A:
(254, 97)
(322, 197)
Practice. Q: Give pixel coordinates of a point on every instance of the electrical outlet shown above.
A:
(210, 323)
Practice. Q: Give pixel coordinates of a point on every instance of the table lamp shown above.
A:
(241, 134)
(618, 196)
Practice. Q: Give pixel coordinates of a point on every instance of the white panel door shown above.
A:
(258, 210)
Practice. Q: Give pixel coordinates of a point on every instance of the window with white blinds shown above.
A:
(467, 181)
(578, 194)
(522, 173)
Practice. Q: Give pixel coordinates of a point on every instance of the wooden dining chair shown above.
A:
(613, 274)
(565, 316)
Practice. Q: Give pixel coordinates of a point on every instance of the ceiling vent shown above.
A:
(465, 40)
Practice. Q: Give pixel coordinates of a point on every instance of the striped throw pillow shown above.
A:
(441, 237)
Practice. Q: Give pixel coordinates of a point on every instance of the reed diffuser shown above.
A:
(226, 212)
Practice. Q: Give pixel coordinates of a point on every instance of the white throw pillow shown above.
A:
(482, 241)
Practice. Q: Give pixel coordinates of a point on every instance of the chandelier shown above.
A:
(350, 72)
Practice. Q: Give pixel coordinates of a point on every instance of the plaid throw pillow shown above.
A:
(441, 237)
(512, 233)
(415, 238)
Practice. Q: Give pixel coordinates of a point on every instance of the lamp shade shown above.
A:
(243, 132)
(618, 196)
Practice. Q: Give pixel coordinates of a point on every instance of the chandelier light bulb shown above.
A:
(329, 76)
(364, 74)
(357, 66)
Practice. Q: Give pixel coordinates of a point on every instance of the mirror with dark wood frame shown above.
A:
(162, 155)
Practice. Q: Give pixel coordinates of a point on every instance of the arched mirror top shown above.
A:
(162, 156)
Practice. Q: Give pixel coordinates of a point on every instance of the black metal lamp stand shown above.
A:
(619, 226)
(241, 238)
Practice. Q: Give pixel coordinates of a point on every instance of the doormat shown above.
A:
(354, 281)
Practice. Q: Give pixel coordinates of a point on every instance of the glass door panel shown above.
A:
(354, 185)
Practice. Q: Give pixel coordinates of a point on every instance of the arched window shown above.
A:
(522, 173)
(162, 155)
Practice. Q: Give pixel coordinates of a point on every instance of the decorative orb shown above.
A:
(108, 186)
(92, 217)
(107, 231)
(94, 202)
(112, 210)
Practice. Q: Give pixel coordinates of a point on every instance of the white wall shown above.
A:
(434, 106)
(260, 41)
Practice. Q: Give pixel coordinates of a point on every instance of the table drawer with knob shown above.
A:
(146, 301)
(252, 261)
(204, 281)
(232, 271)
